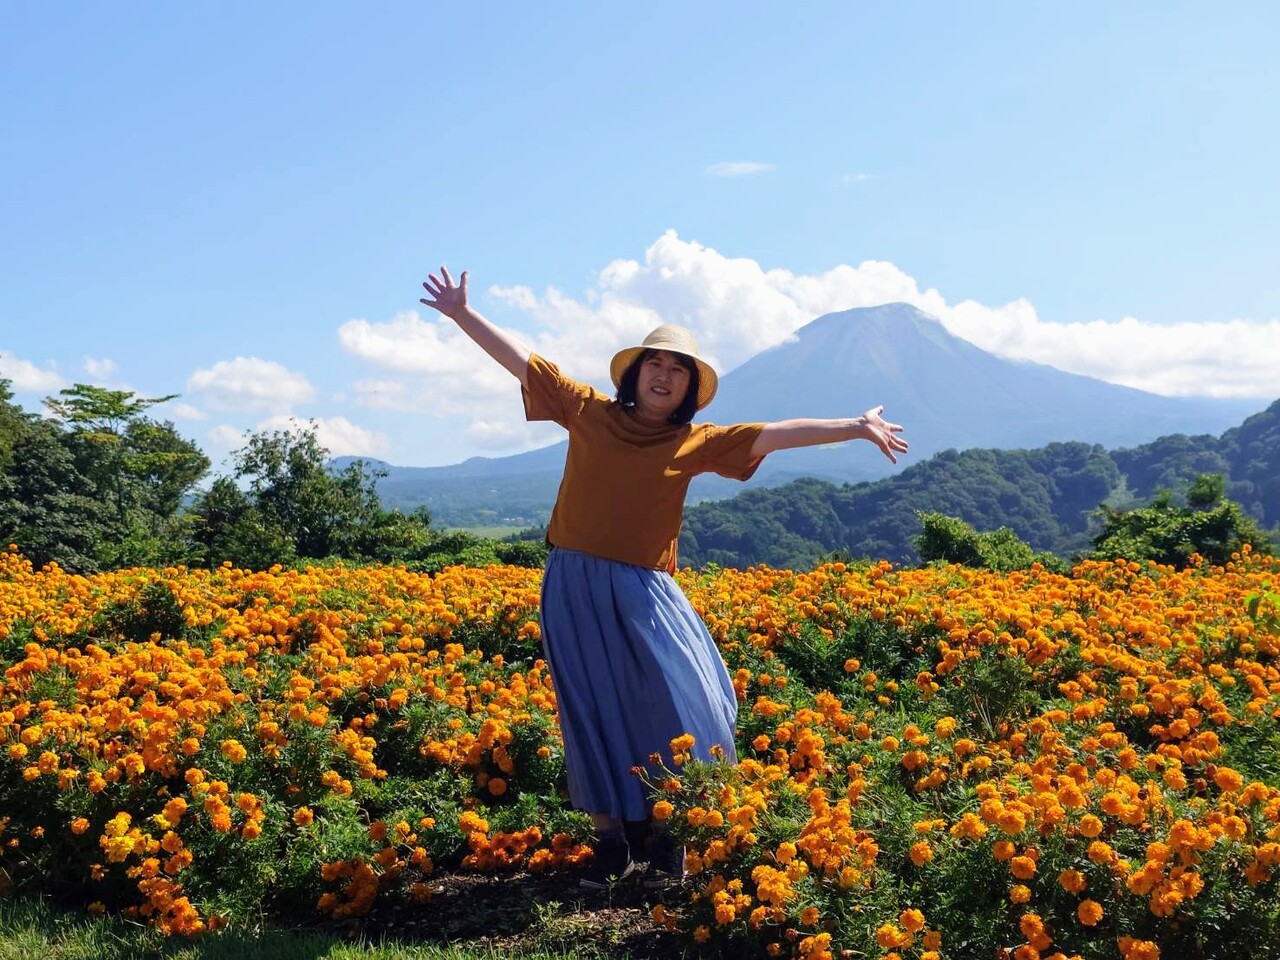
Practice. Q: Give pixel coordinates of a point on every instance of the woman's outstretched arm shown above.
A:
(810, 433)
(451, 300)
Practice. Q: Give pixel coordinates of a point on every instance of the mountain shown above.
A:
(1047, 496)
(948, 394)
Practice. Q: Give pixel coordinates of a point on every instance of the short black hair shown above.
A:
(688, 406)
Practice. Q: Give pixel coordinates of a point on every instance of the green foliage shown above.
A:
(13, 422)
(100, 485)
(1264, 609)
(951, 540)
(1210, 526)
(1046, 497)
(459, 548)
(48, 506)
(294, 507)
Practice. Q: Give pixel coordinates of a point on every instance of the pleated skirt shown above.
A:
(633, 667)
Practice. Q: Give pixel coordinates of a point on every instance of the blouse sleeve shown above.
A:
(727, 450)
(549, 394)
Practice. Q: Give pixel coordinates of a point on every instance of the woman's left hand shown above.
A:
(883, 433)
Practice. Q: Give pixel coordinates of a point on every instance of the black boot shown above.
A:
(638, 833)
(666, 861)
(612, 862)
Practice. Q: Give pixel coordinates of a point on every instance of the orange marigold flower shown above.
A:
(1024, 868)
(912, 919)
(1089, 912)
(1073, 881)
(1227, 779)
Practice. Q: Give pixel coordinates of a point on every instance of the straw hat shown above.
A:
(675, 340)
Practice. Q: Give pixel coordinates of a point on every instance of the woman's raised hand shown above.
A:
(448, 298)
(883, 433)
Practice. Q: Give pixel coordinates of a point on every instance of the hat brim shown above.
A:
(708, 379)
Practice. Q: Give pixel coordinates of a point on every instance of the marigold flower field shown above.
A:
(933, 763)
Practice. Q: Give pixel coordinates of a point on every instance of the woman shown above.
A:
(632, 663)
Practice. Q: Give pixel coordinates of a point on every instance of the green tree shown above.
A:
(293, 507)
(142, 468)
(1209, 525)
(47, 506)
(230, 527)
(951, 540)
(13, 422)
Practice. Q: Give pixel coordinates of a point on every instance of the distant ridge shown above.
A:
(947, 392)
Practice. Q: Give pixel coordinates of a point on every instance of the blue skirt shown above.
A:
(633, 667)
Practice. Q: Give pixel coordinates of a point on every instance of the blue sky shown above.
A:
(237, 202)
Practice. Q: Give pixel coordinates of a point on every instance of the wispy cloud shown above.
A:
(99, 369)
(739, 168)
(851, 178)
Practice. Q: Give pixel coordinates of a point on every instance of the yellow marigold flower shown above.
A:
(1019, 893)
(662, 810)
(1003, 850)
(234, 751)
(303, 816)
(79, 825)
(1090, 825)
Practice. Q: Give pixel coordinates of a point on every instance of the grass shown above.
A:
(33, 929)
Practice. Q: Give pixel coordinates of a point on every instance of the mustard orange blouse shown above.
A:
(622, 495)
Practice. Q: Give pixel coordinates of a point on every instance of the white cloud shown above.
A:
(250, 383)
(1227, 358)
(499, 434)
(407, 344)
(338, 435)
(185, 411)
(739, 168)
(857, 177)
(99, 369)
(385, 395)
(225, 437)
(737, 308)
(26, 376)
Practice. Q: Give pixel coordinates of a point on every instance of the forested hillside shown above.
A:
(1048, 497)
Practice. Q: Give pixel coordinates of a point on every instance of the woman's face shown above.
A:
(661, 385)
